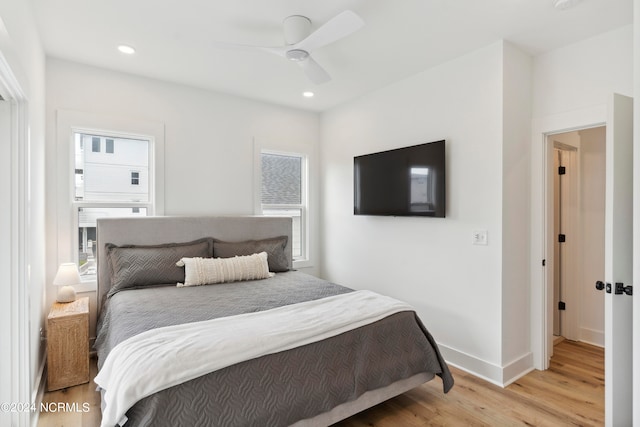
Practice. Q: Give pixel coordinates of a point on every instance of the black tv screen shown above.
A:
(407, 181)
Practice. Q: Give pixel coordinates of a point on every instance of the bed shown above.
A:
(257, 379)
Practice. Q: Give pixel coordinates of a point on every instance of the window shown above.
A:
(105, 186)
(284, 193)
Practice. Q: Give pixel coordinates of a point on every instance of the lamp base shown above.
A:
(66, 294)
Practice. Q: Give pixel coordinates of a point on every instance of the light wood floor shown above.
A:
(571, 392)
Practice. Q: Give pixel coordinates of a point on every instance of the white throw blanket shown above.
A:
(161, 358)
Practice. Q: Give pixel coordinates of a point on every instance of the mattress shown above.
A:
(277, 389)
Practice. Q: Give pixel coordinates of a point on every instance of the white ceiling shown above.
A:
(175, 39)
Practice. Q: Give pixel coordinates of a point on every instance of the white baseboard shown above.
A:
(518, 368)
(500, 376)
(38, 392)
(591, 336)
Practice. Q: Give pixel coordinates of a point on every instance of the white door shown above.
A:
(618, 263)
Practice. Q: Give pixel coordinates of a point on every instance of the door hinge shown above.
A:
(544, 262)
(562, 305)
(562, 170)
(562, 238)
(622, 289)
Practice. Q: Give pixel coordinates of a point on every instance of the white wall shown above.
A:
(21, 48)
(583, 74)
(208, 141)
(456, 287)
(516, 123)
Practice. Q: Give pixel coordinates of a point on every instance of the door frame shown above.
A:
(542, 222)
(16, 303)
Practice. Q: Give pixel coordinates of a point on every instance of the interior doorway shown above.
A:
(576, 167)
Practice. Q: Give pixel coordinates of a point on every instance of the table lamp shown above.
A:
(66, 277)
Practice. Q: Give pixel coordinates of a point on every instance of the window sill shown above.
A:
(302, 263)
(88, 286)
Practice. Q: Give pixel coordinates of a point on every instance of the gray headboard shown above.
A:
(168, 229)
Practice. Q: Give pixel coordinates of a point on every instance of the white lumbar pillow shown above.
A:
(208, 271)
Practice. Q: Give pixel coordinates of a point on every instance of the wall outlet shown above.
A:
(480, 237)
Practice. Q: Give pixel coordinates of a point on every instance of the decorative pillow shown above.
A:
(274, 247)
(208, 271)
(134, 266)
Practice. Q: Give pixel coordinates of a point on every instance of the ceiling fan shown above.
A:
(300, 42)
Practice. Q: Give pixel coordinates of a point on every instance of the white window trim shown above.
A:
(259, 149)
(71, 122)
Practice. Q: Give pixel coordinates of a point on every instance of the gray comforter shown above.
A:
(274, 390)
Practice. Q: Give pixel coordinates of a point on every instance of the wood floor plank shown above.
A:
(73, 406)
(570, 392)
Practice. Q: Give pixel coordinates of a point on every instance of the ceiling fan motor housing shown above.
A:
(297, 55)
(296, 28)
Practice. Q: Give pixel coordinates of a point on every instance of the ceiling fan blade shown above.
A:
(314, 71)
(336, 28)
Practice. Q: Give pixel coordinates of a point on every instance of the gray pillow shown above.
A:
(134, 266)
(274, 247)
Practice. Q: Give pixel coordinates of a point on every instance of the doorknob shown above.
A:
(600, 285)
(622, 289)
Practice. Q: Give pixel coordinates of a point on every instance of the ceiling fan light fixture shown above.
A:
(297, 55)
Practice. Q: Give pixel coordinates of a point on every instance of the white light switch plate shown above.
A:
(480, 237)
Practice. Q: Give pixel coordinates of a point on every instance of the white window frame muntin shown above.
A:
(68, 122)
(259, 149)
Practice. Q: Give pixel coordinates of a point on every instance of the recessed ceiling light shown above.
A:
(308, 94)
(126, 49)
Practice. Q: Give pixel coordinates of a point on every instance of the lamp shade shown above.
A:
(66, 277)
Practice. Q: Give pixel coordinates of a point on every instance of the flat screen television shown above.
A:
(408, 181)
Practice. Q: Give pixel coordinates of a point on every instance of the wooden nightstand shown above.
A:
(68, 344)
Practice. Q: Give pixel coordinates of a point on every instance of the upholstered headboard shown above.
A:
(167, 229)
